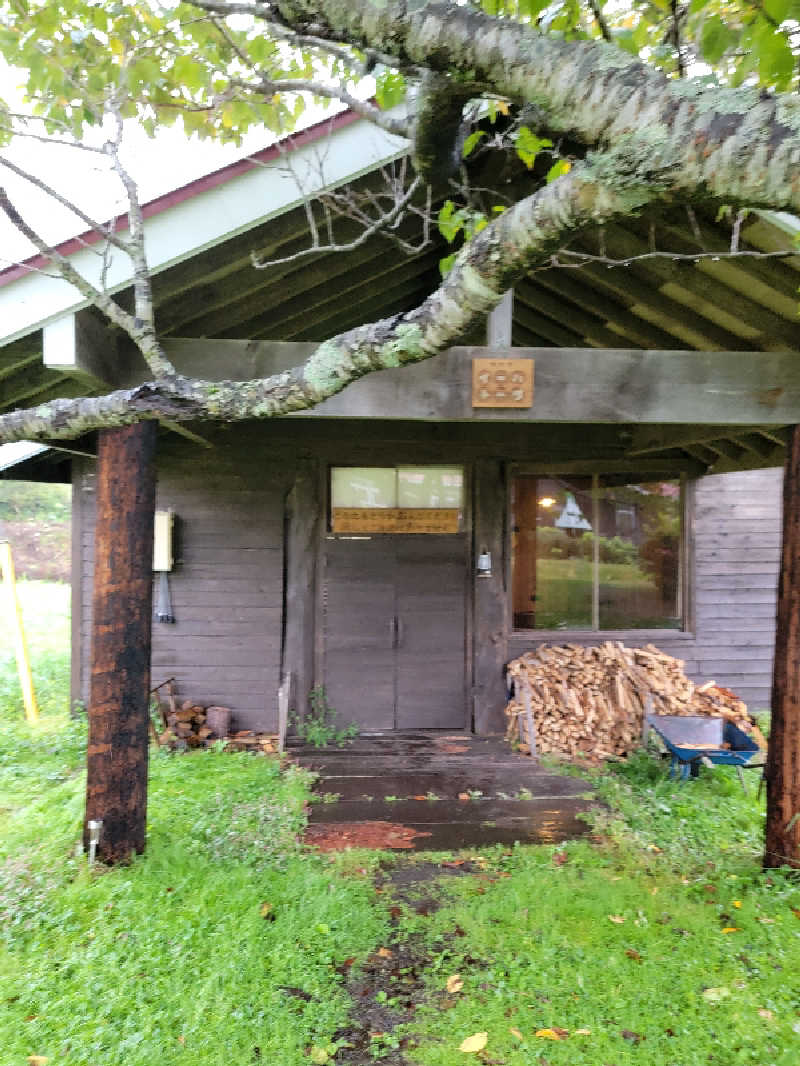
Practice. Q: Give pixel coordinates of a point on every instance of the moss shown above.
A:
(404, 347)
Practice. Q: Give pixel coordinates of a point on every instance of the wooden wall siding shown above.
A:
(227, 585)
(227, 588)
(737, 555)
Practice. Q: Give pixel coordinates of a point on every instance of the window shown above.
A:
(600, 552)
(397, 499)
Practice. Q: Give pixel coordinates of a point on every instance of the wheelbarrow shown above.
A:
(692, 739)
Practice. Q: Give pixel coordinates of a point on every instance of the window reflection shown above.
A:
(595, 553)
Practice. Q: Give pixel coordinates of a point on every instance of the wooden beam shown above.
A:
(303, 513)
(82, 347)
(725, 389)
(489, 597)
(498, 322)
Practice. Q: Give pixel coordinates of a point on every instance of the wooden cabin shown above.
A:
(601, 464)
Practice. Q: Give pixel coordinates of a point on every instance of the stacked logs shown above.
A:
(590, 702)
(193, 726)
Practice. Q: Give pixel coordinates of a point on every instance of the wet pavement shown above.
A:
(439, 792)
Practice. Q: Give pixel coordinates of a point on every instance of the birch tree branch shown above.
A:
(515, 242)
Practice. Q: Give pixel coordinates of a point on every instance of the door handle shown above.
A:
(393, 632)
(400, 629)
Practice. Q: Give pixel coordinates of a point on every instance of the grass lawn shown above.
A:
(658, 942)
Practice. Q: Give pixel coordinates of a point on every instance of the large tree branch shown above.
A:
(738, 145)
(524, 236)
(438, 129)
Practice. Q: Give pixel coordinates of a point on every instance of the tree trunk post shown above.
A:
(782, 842)
(116, 786)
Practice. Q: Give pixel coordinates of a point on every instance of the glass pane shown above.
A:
(551, 552)
(430, 486)
(639, 569)
(363, 486)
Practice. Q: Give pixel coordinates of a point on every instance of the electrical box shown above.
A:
(162, 541)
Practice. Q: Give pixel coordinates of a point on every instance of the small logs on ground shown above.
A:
(589, 702)
(193, 726)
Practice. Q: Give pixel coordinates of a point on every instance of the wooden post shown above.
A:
(302, 534)
(15, 620)
(116, 786)
(782, 772)
(489, 597)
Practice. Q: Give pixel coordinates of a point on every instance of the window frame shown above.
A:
(465, 511)
(596, 470)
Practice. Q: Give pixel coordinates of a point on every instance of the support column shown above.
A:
(489, 598)
(782, 841)
(301, 538)
(116, 786)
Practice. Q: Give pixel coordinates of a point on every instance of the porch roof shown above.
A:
(201, 239)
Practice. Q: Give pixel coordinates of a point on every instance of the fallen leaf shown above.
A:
(617, 919)
(731, 929)
(266, 910)
(463, 796)
(560, 857)
(454, 983)
(716, 995)
(419, 797)
(551, 1034)
(632, 954)
(796, 912)
(628, 1034)
(452, 864)
(319, 1055)
(767, 921)
(182, 1041)
(582, 1032)
(37, 1060)
(516, 1033)
(764, 1013)
(476, 1042)
(384, 953)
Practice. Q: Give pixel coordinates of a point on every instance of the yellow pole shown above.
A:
(15, 618)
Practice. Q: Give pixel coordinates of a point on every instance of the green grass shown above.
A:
(625, 938)
(175, 959)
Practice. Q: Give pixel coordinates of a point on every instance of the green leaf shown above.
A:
(560, 167)
(716, 38)
(445, 265)
(528, 146)
(471, 141)
(390, 89)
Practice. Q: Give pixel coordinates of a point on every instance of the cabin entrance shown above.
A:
(394, 598)
(394, 610)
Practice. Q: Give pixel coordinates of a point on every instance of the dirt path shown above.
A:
(388, 989)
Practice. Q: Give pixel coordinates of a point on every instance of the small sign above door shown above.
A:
(502, 382)
(395, 519)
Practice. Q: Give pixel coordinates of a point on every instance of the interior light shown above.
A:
(546, 501)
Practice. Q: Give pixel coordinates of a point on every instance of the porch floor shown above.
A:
(439, 791)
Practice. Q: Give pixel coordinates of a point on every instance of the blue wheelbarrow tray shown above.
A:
(692, 738)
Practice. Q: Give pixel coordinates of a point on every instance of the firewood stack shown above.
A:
(193, 726)
(590, 702)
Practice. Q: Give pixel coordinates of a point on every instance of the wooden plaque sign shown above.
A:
(502, 382)
(395, 520)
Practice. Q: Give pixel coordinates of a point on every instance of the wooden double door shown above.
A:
(394, 628)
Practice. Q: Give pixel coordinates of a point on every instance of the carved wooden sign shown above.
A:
(502, 382)
(395, 519)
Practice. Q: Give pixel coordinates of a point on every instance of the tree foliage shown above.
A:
(609, 106)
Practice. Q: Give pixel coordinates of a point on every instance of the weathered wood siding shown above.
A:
(737, 554)
(227, 584)
(734, 553)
